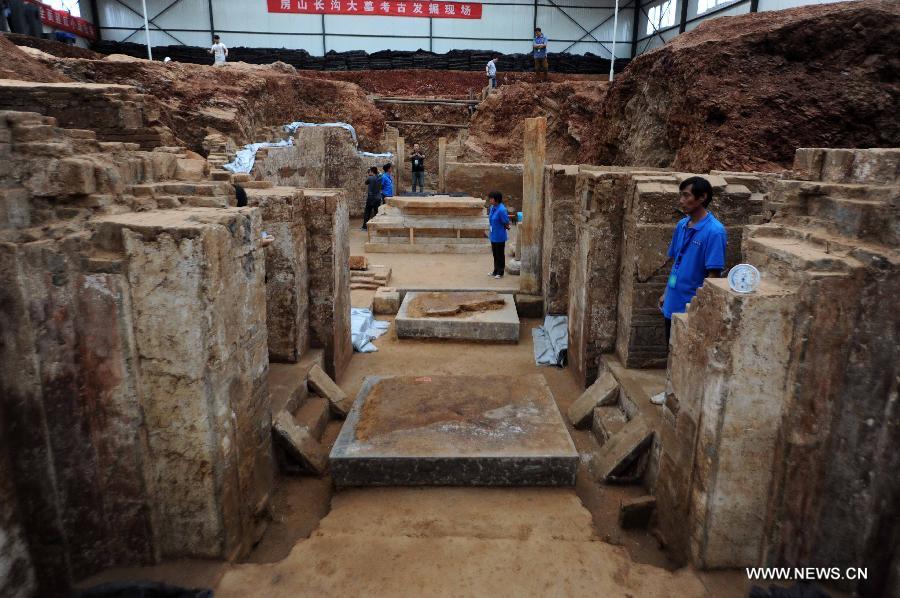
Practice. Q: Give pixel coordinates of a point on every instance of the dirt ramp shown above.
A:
(743, 93)
(16, 64)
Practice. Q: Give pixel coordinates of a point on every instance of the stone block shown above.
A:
(622, 451)
(636, 513)
(560, 212)
(299, 445)
(472, 324)
(359, 262)
(15, 208)
(607, 421)
(321, 384)
(605, 391)
(191, 170)
(287, 276)
(477, 178)
(321, 157)
(75, 176)
(328, 254)
(513, 267)
(454, 430)
(314, 415)
(386, 301)
(198, 303)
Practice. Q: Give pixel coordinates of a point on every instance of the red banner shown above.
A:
(61, 19)
(383, 8)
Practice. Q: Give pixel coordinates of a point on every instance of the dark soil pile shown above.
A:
(16, 64)
(743, 93)
(52, 47)
(495, 134)
(442, 84)
(242, 101)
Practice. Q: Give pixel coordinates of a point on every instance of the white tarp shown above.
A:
(246, 157)
(292, 128)
(551, 341)
(364, 328)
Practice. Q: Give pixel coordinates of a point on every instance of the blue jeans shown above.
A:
(492, 82)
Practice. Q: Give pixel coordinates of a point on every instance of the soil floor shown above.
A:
(448, 541)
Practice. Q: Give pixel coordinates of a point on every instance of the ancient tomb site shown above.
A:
(222, 374)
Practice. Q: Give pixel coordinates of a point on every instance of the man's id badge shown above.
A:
(672, 279)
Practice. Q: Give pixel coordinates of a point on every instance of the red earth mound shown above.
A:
(242, 101)
(495, 133)
(16, 64)
(743, 93)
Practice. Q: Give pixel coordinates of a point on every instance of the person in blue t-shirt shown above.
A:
(540, 55)
(697, 248)
(498, 219)
(387, 183)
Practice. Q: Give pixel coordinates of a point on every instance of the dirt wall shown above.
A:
(743, 93)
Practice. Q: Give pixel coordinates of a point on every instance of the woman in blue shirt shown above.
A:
(498, 218)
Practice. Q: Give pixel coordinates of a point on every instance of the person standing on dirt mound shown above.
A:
(418, 169)
(491, 72)
(540, 55)
(219, 51)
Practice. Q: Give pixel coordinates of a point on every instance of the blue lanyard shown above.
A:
(689, 236)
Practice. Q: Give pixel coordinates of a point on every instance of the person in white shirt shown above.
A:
(219, 51)
(491, 70)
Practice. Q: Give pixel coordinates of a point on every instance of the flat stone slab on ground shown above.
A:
(472, 316)
(454, 431)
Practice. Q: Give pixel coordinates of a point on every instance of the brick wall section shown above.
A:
(328, 252)
(321, 158)
(113, 112)
(134, 360)
(477, 179)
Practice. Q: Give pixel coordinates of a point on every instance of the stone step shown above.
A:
(313, 415)
(786, 257)
(606, 422)
(288, 381)
(869, 220)
(811, 230)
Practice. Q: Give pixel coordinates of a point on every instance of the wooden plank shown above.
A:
(418, 124)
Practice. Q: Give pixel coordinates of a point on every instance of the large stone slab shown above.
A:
(454, 430)
(478, 318)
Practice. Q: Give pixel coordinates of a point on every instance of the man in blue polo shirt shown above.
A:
(697, 248)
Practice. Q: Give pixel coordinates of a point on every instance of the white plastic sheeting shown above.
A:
(364, 328)
(551, 341)
(246, 157)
